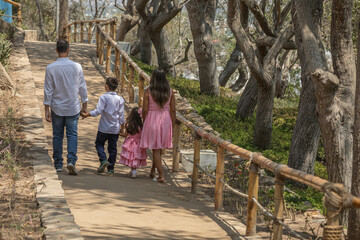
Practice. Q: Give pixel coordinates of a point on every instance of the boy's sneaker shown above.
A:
(58, 169)
(110, 171)
(133, 174)
(72, 169)
(103, 166)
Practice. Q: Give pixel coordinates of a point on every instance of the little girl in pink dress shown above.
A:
(132, 155)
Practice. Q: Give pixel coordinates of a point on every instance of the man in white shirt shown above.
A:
(64, 82)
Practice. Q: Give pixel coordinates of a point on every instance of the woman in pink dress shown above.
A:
(159, 119)
(132, 155)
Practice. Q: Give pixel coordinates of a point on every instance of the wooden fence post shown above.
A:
(107, 29)
(117, 64)
(195, 174)
(89, 33)
(101, 50)
(176, 146)
(332, 228)
(219, 185)
(131, 83)
(69, 33)
(108, 57)
(251, 206)
(113, 30)
(97, 42)
(82, 32)
(279, 205)
(75, 32)
(141, 90)
(123, 73)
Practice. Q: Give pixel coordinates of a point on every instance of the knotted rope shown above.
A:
(336, 199)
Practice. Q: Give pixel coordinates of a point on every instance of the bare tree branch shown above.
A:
(186, 55)
(269, 42)
(260, 17)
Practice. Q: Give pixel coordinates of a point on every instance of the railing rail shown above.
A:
(336, 198)
(18, 17)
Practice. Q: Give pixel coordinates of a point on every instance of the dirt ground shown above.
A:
(20, 216)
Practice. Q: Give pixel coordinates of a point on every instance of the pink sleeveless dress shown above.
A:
(132, 155)
(157, 129)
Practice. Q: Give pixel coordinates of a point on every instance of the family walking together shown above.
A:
(147, 128)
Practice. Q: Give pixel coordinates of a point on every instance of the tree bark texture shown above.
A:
(242, 79)
(247, 103)
(231, 66)
(145, 43)
(63, 18)
(129, 19)
(334, 93)
(354, 214)
(202, 16)
(162, 47)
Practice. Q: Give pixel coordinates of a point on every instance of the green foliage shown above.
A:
(304, 199)
(5, 49)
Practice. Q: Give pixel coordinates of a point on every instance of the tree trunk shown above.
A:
(248, 100)
(41, 26)
(162, 48)
(306, 134)
(231, 66)
(334, 93)
(201, 16)
(63, 18)
(354, 215)
(145, 43)
(128, 20)
(241, 81)
(263, 121)
(344, 68)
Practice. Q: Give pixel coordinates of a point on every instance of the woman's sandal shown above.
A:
(160, 180)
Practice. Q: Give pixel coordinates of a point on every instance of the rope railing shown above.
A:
(18, 17)
(126, 70)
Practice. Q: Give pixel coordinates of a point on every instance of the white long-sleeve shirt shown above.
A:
(64, 82)
(111, 108)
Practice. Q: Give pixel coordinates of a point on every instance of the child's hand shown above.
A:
(85, 115)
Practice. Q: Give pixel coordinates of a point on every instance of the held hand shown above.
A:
(84, 115)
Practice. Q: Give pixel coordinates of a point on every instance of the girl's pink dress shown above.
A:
(157, 129)
(132, 154)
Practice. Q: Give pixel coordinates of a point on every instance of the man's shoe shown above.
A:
(103, 166)
(111, 171)
(72, 169)
(58, 169)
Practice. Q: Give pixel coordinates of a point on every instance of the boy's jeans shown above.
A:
(112, 139)
(58, 124)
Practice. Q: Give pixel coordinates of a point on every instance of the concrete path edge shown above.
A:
(56, 216)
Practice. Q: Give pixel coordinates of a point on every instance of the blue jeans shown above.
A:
(58, 124)
(112, 139)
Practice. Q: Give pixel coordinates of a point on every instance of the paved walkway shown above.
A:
(118, 207)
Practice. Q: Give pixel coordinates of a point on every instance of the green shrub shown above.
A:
(5, 49)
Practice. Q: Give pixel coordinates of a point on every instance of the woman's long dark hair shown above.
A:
(159, 87)
(134, 122)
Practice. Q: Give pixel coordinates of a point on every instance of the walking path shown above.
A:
(118, 207)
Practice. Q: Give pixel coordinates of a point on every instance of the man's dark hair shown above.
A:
(62, 46)
(112, 83)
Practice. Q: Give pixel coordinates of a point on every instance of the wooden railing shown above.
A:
(18, 17)
(336, 198)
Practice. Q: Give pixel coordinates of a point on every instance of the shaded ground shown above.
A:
(117, 207)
